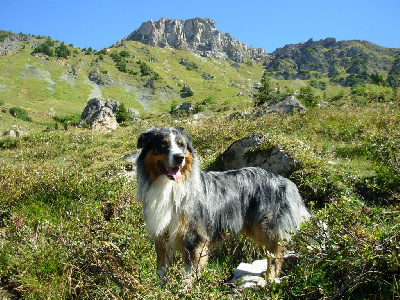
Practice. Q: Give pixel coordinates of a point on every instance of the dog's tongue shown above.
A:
(175, 173)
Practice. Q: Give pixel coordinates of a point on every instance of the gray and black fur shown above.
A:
(187, 210)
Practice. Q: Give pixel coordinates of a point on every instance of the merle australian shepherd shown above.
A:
(187, 210)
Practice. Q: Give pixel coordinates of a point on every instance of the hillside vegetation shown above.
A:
(69, 223)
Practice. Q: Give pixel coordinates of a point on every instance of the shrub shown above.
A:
(8, 143)
(20, 113)
(145, 69)
(45, 49)
(62, 51)
(122, 115)
(344, 254)
(373, 93)
(308, 96)
(72, 120)
(266, 91)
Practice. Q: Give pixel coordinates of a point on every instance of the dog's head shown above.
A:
(166, 151)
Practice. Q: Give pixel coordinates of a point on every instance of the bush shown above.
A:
(347, 251)
(145, 69)
(62, 51)
(308, 96)
(373, 93)
(45, 49)
(8, 143)
(266, 92)
(20, 113)
(122, 115)
(72, 120)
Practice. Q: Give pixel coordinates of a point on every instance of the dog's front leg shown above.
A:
(196, 253)
(161, 260)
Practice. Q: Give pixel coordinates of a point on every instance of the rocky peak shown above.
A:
(197, 35)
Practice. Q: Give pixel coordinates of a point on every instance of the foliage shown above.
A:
(266, 92)
(73, 229)
(373, 93)
(342, 254)
(308, 96)
(45, 48)
(145, 69)
(394, 74)
(72, 120)
(8, 143)
(122, 114)
(62, 51)
(20, 113)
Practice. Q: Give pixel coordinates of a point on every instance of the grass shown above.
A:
(72, 228)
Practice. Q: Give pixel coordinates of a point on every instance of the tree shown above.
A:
(308, 96)
(122, 115)
(62, 51)
(266, 91)
(145, 69)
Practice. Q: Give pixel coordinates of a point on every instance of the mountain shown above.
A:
(330, 58)
(197, 35)
(165, 63)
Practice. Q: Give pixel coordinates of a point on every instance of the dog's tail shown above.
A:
(292, 211)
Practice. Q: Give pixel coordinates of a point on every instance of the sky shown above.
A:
(258, 23)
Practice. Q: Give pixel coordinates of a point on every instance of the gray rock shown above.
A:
(10, 133)
(99, 114)
(187, 108)
(274, 159)
(286, 105)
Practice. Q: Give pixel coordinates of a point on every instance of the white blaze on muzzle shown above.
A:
(176, 159)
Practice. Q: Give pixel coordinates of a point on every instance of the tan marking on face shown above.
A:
(187, 168)
(151, 164)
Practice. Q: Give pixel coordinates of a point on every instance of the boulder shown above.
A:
(287, 105)
(10, 133)
(187, 108)
(273, 159)
(133, 114)
(99, 114)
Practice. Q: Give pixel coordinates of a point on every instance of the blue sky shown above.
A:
(258, 23)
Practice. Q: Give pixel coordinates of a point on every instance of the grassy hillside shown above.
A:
(70, 226)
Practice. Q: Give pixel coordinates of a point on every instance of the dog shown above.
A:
(188, 210)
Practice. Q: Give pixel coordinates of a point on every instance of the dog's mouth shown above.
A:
(172, 173)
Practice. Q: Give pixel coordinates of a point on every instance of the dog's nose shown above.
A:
(178, 158)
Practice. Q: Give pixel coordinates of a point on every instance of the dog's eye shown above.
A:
(180, 143)
(164, 145)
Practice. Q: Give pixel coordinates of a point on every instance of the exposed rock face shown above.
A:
(274, 160)
(99, 114)
(198, 35)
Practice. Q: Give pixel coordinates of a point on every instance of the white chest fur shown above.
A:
(162, 201)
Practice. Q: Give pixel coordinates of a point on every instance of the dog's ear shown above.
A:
(145, 138)
(179, 129)
(188, 138)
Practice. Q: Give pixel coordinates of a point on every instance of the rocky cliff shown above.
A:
(197, 35)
